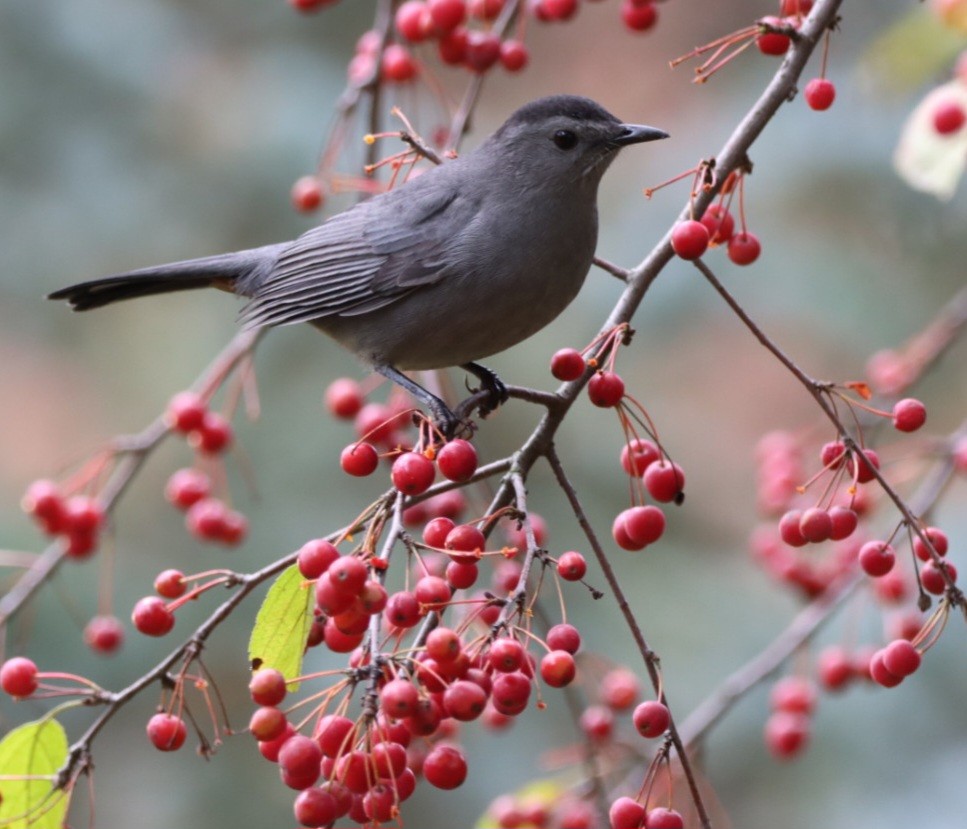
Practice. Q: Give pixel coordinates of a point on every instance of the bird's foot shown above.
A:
(489, 382)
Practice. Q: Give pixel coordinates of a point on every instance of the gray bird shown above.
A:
(457, 264)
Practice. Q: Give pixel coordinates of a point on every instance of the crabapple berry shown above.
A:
(744, 248)
(651, 718)
(638, 455)
(213, 436)
(344, 398)
(464, 700)
(620, 689)
(786, 734)
(637, 527)
(170, 584)
(820, 94)
(605, 389)
(482, 50)
(558, 668)
(795, 694)
(567, 364)
(267, 723)
(932, 578)
(949, 117)
(564, 637)
(299, 761)
(880, 674)
(937, 537)
(18, 676)
(816, 525)
(597, 722)
(665, 481)
(447, 14)
(690, 239)
(876, 558)
(402, 610)
(412, 473)
(719, 223)
(513, 55)
(398, 698)
(359, 459)
(267, 687)
(571, 566)
(185, 412)
(834, 668)
(457, 460)
(772, 43)
(104, 634)
(862, 467)
(638, 16)
(790, 528)
(187, 486)
(315, 556)
(152, 617)
(662, 818)
(167, 732)
(909, 415)
(445, 767)
(397, 64)
(844, 521)
(626, 813)
(315, 807)
(306, 194)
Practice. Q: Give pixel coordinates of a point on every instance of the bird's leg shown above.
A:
(490, 383)
(446, 421)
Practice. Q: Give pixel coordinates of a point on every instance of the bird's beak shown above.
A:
(636, 134)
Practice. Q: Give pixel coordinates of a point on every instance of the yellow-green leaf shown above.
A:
(912, 52)
(36, 750)
(282, 625)
(925, 159)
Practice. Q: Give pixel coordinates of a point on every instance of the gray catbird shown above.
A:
(457, 264)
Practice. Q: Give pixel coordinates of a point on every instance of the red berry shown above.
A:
(637, 527)
(457, 460)
(564, 637)
(937, 537)
(83, 515)
(949, 117)
(18, 676)
(464, 700)
(270, 749)
(461, 575)
(690, 239)
(719, 223)
(786, 734)
(412, 473)
(932, 578)
(513, 55)
(315, 557)
(744, 248)
(790, 528)
(167, 732)
(638, 16)
(772, 43)
(447, 14)
(832, 454)
(901, 658)
(834, 668)
(152, 617)
(567, 364)
(558, 9)
(909, 415)
(862, 467)
(820, 94)
(626, 813)
(436, 531)
(170, 584)
(206, 519)
(816, 525)
(880, 674)
(214, 435)
(413, 21)
(876, 558)
(620, 689)
(651, 718)
(359, 459)
(465, 538)
(402, 610)
(797, 8)
(315, 807)
(104, 634)
(306, 194)
(432, 592)
(267, 687)
(638, 455)
(571, 566)
(344, 398)
(348, 574)
(844, 523)
(506, 655)
(597, 722)
(558, 669)
(793, 694)
(398, 699)
(445, 767)
(398, 64)
(299, 760)
(665, 481)
(662, 818)
(452, 47)
(267, 723)
(485, 9)
(510, 693)
(482, 50)
(185, 412)
(187, 486)
(605, 389)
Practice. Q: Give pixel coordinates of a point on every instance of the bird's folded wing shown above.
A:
(362, 259)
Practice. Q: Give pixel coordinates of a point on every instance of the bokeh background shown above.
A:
(138, 132)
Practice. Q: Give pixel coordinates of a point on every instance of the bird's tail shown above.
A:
(236, 272)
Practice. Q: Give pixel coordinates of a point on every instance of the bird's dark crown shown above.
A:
(570, 106)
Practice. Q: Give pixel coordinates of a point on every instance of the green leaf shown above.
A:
(282, 625)
(36, 749)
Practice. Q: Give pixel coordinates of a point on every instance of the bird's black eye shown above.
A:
(565, 139)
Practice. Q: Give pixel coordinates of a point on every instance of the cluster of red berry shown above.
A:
(207, 516)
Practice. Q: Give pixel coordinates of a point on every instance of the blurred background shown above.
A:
(133, 133)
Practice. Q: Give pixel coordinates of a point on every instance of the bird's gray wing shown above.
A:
(364, 258)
